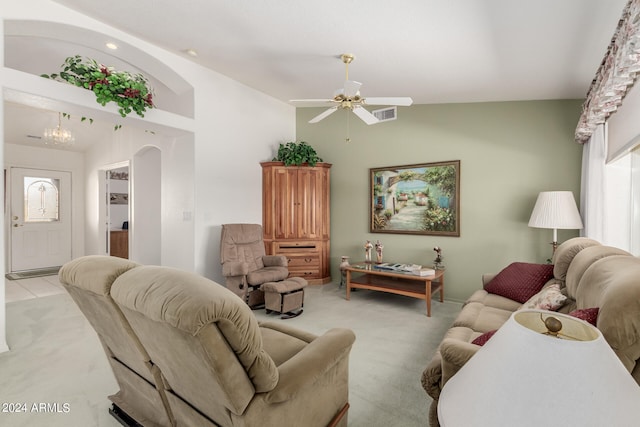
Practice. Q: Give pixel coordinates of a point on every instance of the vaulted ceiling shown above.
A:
(435, 51)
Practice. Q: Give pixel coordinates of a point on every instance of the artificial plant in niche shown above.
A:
(295, 154)
(130, 91)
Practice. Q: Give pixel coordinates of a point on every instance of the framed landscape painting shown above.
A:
(416, 199)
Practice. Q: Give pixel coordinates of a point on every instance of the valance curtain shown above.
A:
(616, 75)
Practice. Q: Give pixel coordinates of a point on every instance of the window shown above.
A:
(635, 201)
(41, 199)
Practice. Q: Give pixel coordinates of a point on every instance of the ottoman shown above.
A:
(285, 297)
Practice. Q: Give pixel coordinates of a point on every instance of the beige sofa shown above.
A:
(186, 351)
(591, 275)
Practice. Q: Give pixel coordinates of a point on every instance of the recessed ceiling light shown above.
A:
(191, 52)
(111, 45)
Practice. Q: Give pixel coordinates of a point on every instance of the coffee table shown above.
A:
(365, 276)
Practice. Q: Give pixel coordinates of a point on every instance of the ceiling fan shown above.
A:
(349, 98)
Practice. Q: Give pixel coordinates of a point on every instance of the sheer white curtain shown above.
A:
(592, 191)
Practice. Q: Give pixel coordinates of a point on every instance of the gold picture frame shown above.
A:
(416, 199)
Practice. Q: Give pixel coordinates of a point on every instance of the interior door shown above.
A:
(40, 218)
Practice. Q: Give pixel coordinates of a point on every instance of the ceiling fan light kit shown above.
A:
(349, 98)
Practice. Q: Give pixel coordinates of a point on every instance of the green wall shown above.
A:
(509, 152)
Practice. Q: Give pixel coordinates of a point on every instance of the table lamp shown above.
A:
(542, 369)
(555, 209)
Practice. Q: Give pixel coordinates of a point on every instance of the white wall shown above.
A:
(123, 146)
(146, 232)
(213, 168)
(232, 137)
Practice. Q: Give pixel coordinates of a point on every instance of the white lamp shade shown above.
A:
(522, 377)
(557, 210)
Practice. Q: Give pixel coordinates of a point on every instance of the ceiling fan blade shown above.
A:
(366, 116)
(324, 114)
(351, 88)
(403, 101)
(312, 102)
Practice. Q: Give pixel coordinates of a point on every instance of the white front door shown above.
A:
(40, 218)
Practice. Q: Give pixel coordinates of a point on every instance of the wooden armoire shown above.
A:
(295, 217)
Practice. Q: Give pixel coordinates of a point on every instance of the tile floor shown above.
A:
(34, 287)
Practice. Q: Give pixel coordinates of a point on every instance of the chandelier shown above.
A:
(58, 135)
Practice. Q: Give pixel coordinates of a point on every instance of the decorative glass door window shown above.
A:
(41, 199)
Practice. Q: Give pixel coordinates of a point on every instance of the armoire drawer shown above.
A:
(305, 273)
(283, 248)
(303, 261)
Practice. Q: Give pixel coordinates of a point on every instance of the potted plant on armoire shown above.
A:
(295, 210)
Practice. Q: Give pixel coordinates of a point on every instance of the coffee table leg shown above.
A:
(348, 284)
(442, 288)
(428, 297)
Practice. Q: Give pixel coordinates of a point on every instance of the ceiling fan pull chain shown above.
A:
(348, 138)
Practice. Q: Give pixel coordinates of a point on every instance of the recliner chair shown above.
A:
(221, 366)
(245, 264)
(141, 396)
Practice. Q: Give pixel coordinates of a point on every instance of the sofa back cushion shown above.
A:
(204, 338)
(613, 285)
(565, 253)
(583, 260)
(520, 281)
(88, 280)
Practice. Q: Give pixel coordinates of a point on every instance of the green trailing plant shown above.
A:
(130, 91)
(82, 119)
(293, 153)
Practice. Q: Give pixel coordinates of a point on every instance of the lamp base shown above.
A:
(554, 244)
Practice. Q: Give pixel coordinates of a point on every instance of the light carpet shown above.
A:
(57, 359)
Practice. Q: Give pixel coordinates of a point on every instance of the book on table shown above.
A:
(424, 272)
(404, 268)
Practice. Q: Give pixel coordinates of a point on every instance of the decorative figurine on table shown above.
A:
(437, 263)
(367, 251)
(379, 248)
(344, 263)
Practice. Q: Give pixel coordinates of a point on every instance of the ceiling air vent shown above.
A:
(386, 114)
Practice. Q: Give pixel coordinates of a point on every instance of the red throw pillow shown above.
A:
(587, 314)
(482, 339)
(520, 281)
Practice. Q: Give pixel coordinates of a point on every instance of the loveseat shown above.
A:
(594, 280)
(186, 351)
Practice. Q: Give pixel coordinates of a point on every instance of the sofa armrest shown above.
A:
(311, 363)
(455, 354)
(275, 261)
(235, 268)
(432, 377)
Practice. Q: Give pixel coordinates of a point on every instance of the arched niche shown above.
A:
(49, 43)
